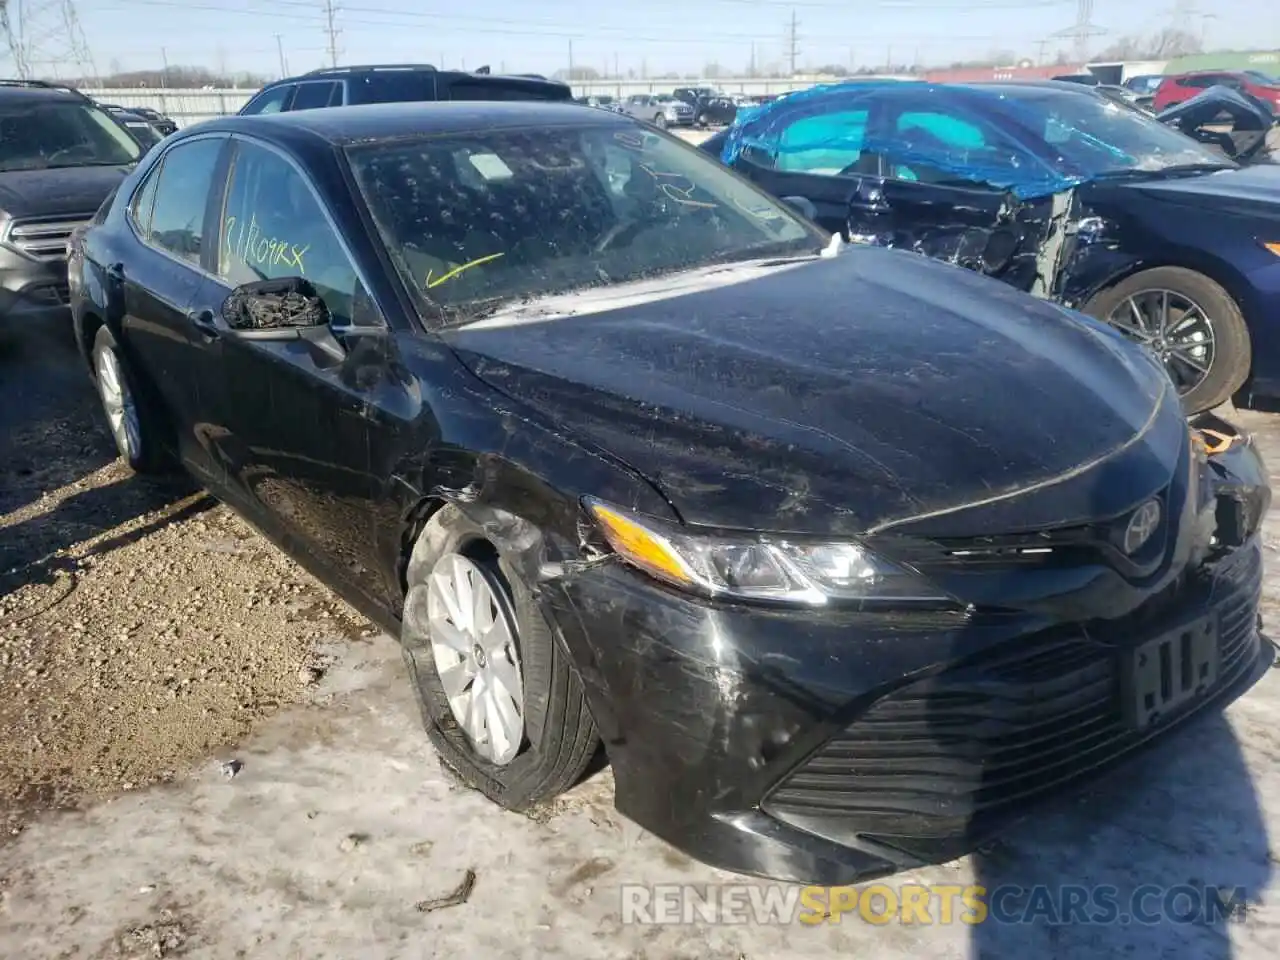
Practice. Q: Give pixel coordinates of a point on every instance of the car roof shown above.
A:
(390, 121)
(17, 90)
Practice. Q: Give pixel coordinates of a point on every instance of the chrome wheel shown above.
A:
(118, 402)
(1173, 327)
(474, 649)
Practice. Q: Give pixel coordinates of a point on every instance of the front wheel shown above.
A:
(1190, 323)
(498, 695)
(660, 121)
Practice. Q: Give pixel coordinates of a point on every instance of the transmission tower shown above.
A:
(44, 39)
(331, 31)
(793, 42)
(1081, 31)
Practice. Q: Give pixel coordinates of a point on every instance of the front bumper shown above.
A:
(33, 291)
(832, 748)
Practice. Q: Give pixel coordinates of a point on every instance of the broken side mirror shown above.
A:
(803, 206)
(289, 308)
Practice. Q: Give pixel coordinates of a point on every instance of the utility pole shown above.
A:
(571, 60)
(164, 62)
(793, 42)
(1081, 31)
(1040, 45)
(284, 64)
(330, 11)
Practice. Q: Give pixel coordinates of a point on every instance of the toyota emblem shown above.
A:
(1142, 526)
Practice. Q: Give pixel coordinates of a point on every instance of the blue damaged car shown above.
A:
(1055, 190)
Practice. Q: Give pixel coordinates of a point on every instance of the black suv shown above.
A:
(710, 107)
(398, 83)
(61, 156)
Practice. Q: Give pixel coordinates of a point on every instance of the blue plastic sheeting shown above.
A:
(941, 133)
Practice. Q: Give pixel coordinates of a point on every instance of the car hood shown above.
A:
(837, 396)
(58, 192)
(1249, 190)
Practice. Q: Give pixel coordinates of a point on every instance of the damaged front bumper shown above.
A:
(831, 747)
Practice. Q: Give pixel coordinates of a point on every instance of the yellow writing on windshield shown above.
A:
(254, 247)
(429, 282)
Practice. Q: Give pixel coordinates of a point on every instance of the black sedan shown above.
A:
(1056, 190)
(843, 554)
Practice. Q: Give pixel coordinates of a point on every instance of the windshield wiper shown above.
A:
(1174, 170)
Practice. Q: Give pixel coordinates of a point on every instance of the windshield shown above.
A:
(37, 135)
(473, 220)
(1097, 137)
(1258, 76)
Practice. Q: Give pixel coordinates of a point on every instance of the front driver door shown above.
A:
(160, 278)
(944, 193)
(301, 421)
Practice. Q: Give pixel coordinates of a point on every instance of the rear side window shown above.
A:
(496, 90)
(405, 86)
(311, 96)
(269, 101)
(181, 194)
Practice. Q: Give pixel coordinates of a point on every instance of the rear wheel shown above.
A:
(134, 426)
(498, 695)
(1190, 323)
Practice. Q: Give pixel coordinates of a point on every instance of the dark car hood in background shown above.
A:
(57, 192)
(1249, 117)
(833, 397)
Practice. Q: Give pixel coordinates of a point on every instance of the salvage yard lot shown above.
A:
(203, 753)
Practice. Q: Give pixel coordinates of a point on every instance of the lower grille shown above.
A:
(937, 757)
(46, 239)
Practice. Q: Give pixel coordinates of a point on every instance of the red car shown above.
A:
(1187, 85)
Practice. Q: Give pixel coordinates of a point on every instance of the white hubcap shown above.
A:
(117, 401)
(473, 646)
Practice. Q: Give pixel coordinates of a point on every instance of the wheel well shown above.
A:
(87, 330)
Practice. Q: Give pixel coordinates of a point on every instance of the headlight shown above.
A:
(759, 567)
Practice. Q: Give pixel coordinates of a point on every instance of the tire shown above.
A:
(1231, 360)
(660, 121)
(137, 435)
(559, 736)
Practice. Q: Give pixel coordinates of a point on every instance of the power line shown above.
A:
(574, 31)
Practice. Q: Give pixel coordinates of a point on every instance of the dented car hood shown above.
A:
(840, 395)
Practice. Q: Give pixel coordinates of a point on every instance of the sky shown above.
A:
(649, 36)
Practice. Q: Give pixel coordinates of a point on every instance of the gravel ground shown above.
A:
(205, 754)
(142, 625)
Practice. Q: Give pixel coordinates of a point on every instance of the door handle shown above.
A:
(203, 321)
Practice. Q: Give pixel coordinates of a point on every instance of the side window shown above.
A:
(273, 227)
(313, 95)
(181, 196)
(144, 200)
(938, 148)
(827, 144)
(269, 101)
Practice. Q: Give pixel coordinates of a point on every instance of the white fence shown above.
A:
(191, 106)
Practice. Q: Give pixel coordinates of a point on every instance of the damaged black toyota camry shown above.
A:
(842, 554)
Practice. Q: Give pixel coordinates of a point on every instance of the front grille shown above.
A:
(937, 757)
(45, 239)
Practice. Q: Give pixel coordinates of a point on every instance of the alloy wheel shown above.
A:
(119, 405)
(473, 645)
(1173, 327)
